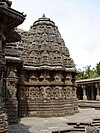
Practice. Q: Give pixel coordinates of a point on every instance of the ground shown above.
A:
(46, 125)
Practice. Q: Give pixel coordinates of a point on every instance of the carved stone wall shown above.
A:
(75, 99)
(43, 45)
(46, 85)
(46, 93)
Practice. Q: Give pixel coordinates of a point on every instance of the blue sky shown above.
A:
(78, 22)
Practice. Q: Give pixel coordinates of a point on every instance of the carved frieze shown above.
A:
(67, 92)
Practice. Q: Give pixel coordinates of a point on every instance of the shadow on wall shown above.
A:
(19, 128)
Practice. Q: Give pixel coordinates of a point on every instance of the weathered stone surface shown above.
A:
(10, 98)
(43, 45)
(45, 72)
(3, 123)
(92, 129)
(71, 124)
(47, 79)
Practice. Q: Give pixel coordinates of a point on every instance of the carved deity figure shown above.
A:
(33, 79)
(58, 77)
(68, 79)
(44, 60)
(11, 85)
(56, 58)
(11, 89)
(58, 92)
(67, 92)
(43, 92)
(45, 77)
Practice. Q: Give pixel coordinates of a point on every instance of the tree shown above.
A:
(88, 72)
(98, 68)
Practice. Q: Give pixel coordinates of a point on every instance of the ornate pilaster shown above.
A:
(10, 98)
(75, 100)
(68, 94)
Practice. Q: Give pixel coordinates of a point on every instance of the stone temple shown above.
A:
(39, 79)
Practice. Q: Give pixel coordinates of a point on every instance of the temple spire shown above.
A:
(43, 16)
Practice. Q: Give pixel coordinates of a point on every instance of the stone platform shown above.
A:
(89, 104)
(54, 124)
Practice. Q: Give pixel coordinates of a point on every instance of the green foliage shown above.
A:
(98, 68)
(89, 72)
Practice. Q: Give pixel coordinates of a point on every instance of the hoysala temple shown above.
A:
(37, 75)
(39, 79)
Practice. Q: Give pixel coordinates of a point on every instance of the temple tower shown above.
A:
(47, 80)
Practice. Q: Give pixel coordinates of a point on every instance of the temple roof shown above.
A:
(88, 81)
(9, 19)
(10, 14)
(44, 46)
(12, 36)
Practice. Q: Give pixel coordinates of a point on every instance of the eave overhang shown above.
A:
(14, 18)
(13, 59)
(57, 68)
(88, 81)
(12, 36)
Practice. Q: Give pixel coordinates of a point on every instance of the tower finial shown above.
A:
(43, 16)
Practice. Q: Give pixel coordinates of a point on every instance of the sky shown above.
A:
(78, 22)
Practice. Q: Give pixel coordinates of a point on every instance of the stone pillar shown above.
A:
(92, 93)
(75, 100)
(22, 90)
(98, 93)
(84, 93)
(10, 98)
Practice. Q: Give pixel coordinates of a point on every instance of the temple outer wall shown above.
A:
(46, 95)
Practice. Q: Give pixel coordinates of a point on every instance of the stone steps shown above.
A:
(72, 127)
(80, 127)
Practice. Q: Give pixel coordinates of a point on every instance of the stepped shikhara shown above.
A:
(46, 76)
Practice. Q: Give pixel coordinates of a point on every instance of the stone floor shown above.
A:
(46, 125)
